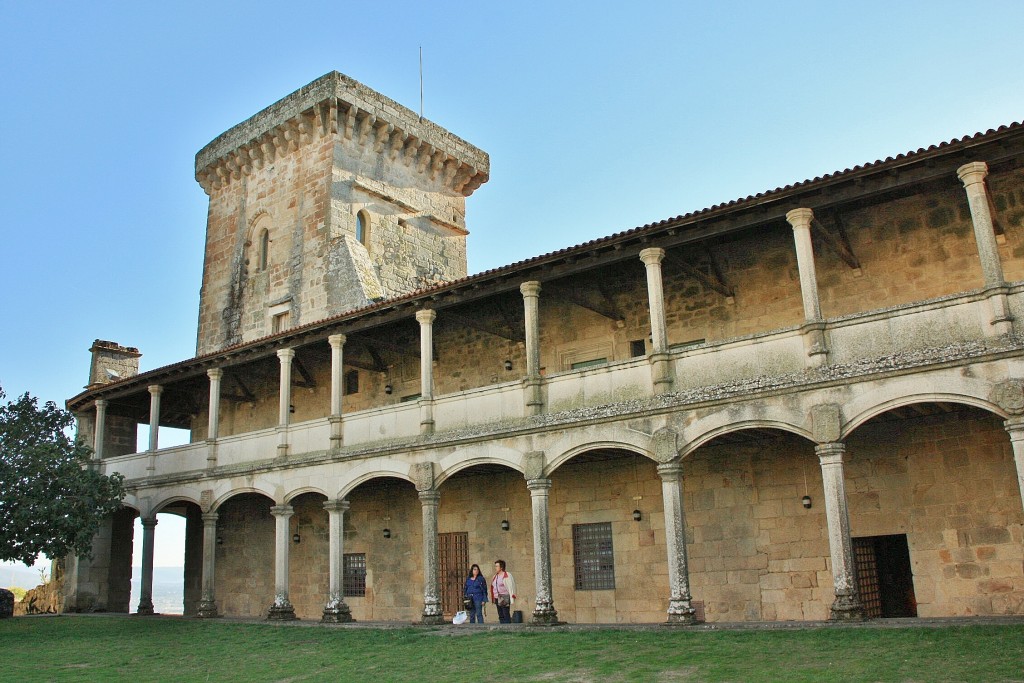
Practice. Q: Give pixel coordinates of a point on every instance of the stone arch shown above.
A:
(465, 458)
(175, 498)
(231, 493)
(133, 503)
(707, 436)
(590, 438)
(368, 470)
(292, 495)
(906, 391)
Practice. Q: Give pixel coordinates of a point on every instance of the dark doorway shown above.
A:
(884, 576)
(453, 568)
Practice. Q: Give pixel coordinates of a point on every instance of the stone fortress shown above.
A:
(801, 405)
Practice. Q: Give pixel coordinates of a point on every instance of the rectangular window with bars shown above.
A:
(354, 575)
(593, 557)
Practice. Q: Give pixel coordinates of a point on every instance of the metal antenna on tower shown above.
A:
(421, 83)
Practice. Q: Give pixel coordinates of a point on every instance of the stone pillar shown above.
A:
(213, 419)
(101, 423)
(337, 342)
(532, 382)
(207, 603)
(426, 318)
(680, 607)
(1015, 426)
(973, 175)
(847, 605)
(814, 327)
(336, 611)
(544, 612)
(432, 612)
(284, 400)
(282, 609)
(661, 369)
(154, 426)
(146, 589)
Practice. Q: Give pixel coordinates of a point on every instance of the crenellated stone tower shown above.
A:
(324, 202)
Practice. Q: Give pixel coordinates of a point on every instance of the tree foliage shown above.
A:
(51, 501)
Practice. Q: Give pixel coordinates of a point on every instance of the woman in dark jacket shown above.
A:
(476, 588)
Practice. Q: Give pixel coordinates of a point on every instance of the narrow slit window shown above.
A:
(352, 382)
(264, 254)
(362, 227)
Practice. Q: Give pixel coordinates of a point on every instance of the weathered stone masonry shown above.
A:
(804, 405)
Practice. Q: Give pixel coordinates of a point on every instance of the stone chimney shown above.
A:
(111, 362)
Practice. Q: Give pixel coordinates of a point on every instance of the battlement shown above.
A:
(336, 105)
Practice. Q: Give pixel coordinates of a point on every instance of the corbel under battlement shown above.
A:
(335, 105)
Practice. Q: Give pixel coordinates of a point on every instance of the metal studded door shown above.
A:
(867, 576)
(453, 567)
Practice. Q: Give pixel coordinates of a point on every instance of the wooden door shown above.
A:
(452, 560)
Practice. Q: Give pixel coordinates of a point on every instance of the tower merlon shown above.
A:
(336, 105)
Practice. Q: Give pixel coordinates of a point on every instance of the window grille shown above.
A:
(593, 557)
(354, 575)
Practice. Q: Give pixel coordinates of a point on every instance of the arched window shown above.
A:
(352, 382)
(264, 255)
(362, 227)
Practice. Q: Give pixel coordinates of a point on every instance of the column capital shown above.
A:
(285, 511)
(425, 316)
(652, 255)
(830, 453)
(800, 218)
(539, 484)
(148, 522)
(215, 374)
(155, 389)
(1015, 426)
(670, 471)
(210, 518)
(531, 288)
(430, 497)
(100, 403)
(337, 340)
(972, 173)
(341, 505)
(286, 354)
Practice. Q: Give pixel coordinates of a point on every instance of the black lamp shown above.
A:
(504, 525)
(387, 532)
(806, 502)
(508, 364)
(388, 389)
(296, 538)
(637, 516)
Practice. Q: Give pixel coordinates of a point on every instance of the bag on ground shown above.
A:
(461, 617)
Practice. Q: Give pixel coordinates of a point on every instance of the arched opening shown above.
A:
(384, 551)
(758, 549)
(485, 514)
(310, 552)
(177, 559)
(244, 560)
(263, 254)
(608, 557)
(935, 512)
(362, 227)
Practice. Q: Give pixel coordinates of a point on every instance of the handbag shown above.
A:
(504, 601)
(467, 603)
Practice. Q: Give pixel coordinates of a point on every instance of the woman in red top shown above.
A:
(503, 592)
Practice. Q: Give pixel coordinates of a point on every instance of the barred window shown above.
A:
(593, 556)
(354, 575)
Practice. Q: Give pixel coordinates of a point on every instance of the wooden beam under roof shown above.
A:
(830, 227)
(712, 279)
(504, 331)
(592, 299)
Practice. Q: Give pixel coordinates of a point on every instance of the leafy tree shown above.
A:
(51, 501)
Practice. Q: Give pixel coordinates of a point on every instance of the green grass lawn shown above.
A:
(139, 649)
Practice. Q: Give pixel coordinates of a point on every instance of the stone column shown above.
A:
(284, 400)
(426, 318)
(532, 382)
(337, 342)
(660, 367)
(213, 419)
(544, 612)
(814, 327)
(847, 605)
(154, 426)
(680, 607)
(1015, 426)
(336, 611)
(207, 604)
(973, 175)
(146, 589)
(282, 609)
(101, 423)
(432, 612)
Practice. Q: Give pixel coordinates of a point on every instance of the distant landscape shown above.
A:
(168, 585)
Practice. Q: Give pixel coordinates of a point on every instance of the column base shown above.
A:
(207, 610)
(681, 613)
(427, 428)
(338, 614)
(847, 608)
(545, 616)
(661, 372)
(145, 610)
(433, 620)
(433, 614)
(283, 612)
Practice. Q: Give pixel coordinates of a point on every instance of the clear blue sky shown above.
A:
(598, 117)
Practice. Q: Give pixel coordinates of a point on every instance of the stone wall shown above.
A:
(244, 564)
